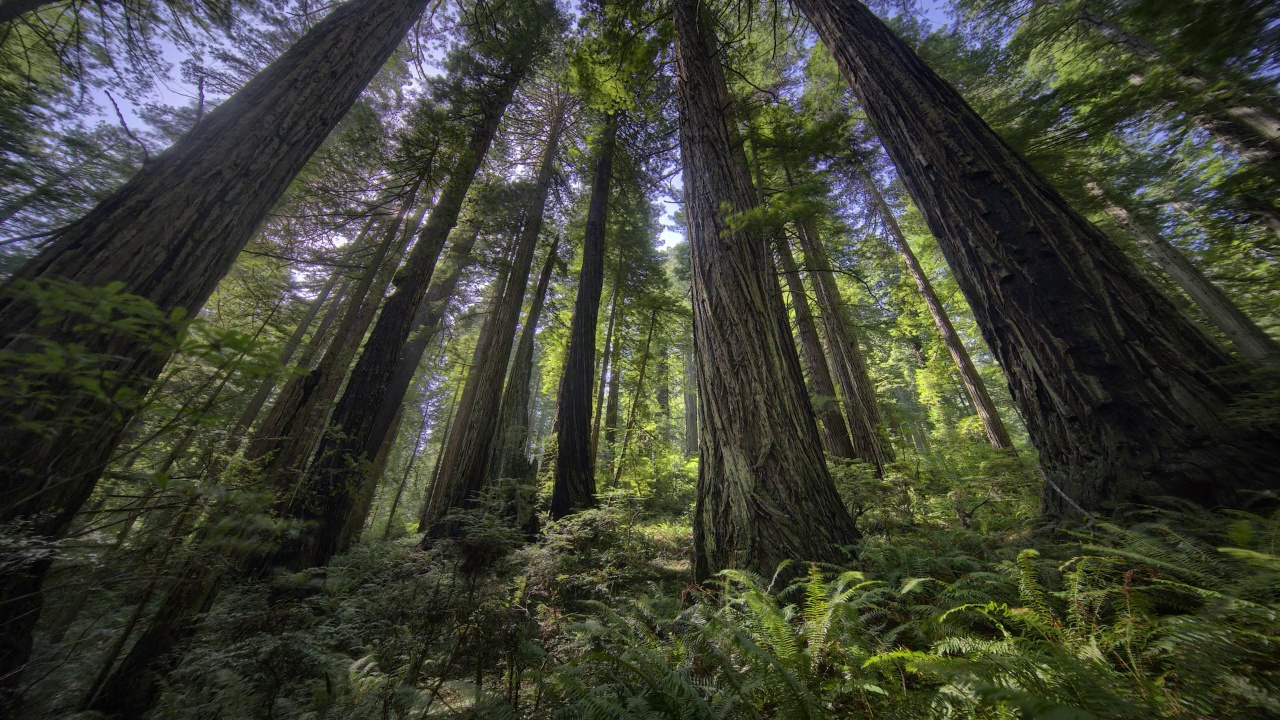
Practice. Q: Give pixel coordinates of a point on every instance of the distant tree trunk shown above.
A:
(1116, 385)
(574, 485)
(826, 405)
(663, 396)
(296, 421)
(251, 411)
(635, 401)
(689, 387)
(425, 510)
(1249, 127)
(426, 325)
(974, 386)
(465, 463)
(1248, 338)
(318, 343)
(605, 358)
(334, 482)
(860, 405)
(404, 477)
(511, 447)
(168, 235)
(764, 494)
(613, 406)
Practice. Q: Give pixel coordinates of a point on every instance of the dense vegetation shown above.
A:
(684, 359)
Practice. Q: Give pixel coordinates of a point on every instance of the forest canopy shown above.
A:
(680, 359)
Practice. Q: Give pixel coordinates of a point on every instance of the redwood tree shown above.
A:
(764, 494)
(1122, 394)
(168, 235)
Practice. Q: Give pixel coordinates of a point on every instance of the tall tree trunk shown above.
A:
(764, 494)
(690, 389)
(466, 462)
(404, 477)
(575, 483)
(511, 447)
(826, 405)
(317, 343)
(1117, 386)
(663, 396)
(1248, 338)
(168, 235)
(296, 421)
(613, 406)
(426, 325)
(860, 405)
(335, 480)
(606, 358)
(974, 386)
(433, 483)
(635, 401)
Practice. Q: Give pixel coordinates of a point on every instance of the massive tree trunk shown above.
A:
(824, 389)
(860, 404)
(334, 482)
(764, 494)
(974, 386)
(511, 448)
(1120, 391)
(1248, 338)
(464, 470)
(575, 483)
(168, 235)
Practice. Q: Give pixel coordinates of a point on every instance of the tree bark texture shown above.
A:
(1248, 338)
(574, 485)
(974, 386)
(689, 388)
(466, 461)
(341, 465)
(827, 406)
(169, 235)
(1120, 391)
(861, 408)
(764, 494)
(511, 447)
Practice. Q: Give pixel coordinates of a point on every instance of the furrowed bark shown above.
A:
(1122, 394)
(764, 494)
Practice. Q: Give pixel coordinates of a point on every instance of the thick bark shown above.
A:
(575, 483)
(974, 386)
(835, 432)
(168, 235)
(341, 466)
(764, 494)
(1248, 338)
(1118, 388)
(690, 389)
(511, 447)
(861, 408)
(465, 463)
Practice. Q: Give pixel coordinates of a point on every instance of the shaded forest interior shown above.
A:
(641, 359)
